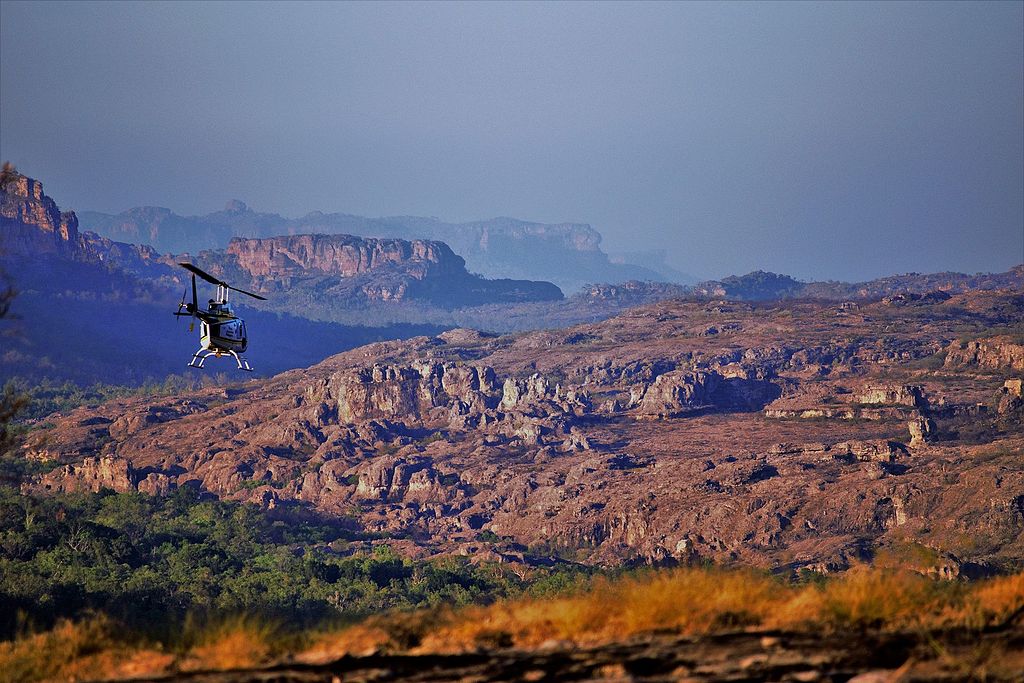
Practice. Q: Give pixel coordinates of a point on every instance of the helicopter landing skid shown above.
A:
(200, 356)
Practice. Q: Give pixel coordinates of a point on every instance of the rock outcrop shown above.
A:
(1011, 398)
(911, 289)
(992, 354)
(894, 394)
(922, 430)
(674, 393)
(31, 222)
(90, 475)
(32, 227)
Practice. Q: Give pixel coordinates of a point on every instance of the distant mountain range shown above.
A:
(113, 297)
(761, 285)
(567, 254)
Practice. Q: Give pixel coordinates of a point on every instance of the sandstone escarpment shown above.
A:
(566, 253)
(34, 229)
(31, 222)
(356, 271)
(344, 255)
(888, 394)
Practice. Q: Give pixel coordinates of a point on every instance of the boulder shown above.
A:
(893, 394)
(89, 475)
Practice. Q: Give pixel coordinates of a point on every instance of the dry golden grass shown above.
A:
(81, 650)
(684, 601)
(91, 649)
(693, 601)
(890, 599)
(995, 602)
(361, 639)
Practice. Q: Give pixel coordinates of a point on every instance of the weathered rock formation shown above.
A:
(922, 430)
(890, 394)
(92, 474)
(33, 227)
(993, 354)
(344, 255)
(31, 223)
(674, 393)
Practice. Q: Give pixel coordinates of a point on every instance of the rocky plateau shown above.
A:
(795, 435)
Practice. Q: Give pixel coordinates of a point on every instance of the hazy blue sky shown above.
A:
(820, 140)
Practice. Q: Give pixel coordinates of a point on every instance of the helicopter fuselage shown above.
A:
(220, 332)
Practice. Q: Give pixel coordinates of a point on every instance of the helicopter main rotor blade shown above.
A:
(242, 291)
(202, 273)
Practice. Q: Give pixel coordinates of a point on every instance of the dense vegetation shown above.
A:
(152, 562)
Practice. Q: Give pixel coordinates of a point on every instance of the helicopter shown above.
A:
(221, 332)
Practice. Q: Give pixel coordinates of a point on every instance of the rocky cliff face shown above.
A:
(349, 271)
(31, 222)
(109, 304)
(782, 440)
(342, 269)
(33, 227)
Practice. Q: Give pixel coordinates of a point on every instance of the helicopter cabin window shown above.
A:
(231, 329)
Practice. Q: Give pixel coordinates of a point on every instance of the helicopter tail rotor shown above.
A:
(190, 309)
(195, 305)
